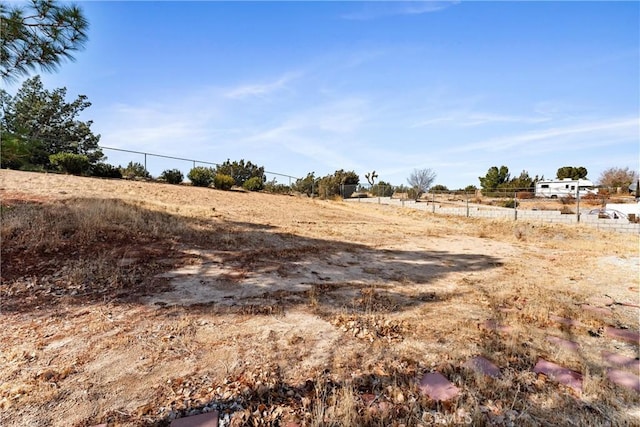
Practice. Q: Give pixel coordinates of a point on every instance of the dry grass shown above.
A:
(286, 309)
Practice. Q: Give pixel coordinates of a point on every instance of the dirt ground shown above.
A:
(133, 303)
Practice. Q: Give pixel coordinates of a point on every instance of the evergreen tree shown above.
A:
(45, 124)
(40, 34)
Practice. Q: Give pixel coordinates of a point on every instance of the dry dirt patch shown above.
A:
(133, 303)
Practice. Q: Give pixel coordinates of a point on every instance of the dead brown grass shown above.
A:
(287, 309)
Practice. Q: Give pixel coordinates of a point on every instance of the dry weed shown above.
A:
(346, 352)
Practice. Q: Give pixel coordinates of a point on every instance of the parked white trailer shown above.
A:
(555, 188)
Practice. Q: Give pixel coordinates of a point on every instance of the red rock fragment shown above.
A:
(484, 366)
(596, 310)
(561, 342)
(624, 379)
(621, 360)
(623, 334)
(560, 374)
(209, 419)
(437, 387)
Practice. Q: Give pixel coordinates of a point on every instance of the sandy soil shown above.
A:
(292, 289)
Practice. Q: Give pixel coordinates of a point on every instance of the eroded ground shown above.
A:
(134, 303)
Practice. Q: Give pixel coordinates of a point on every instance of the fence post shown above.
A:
(467, 197)
(515, 205)
(433, 202)
(145, 161)
(578, 202)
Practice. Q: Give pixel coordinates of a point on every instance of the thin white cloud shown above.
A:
(605, 132)
(320, 133)
(467, 119)
(156, 127)
(199, 118)
(260, 89)
(484, 118)
(376, 10)
(336, 117)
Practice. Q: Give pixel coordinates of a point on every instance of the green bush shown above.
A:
(382, 189)
(439, 189)
(172, 176)
(75, 164)
(240, 171)
(307, 185)
(341, 183)
(223, 182)
(275, 188)
(253, 184)
(135, 170)
(105, 170)
(201, 176)
(470, 189)
(511, 203)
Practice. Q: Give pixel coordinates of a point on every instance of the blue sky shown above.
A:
(298, 87)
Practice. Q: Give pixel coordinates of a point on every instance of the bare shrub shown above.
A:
(567, 200)
(525, 195)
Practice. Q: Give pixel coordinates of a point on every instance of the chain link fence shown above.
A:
(156, 163)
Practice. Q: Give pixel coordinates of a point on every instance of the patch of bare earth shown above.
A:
(134, 303)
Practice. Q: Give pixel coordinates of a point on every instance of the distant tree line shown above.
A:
(41, 132)
(498, 180)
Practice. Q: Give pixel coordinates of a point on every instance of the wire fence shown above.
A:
(145, 159)
(514, 203)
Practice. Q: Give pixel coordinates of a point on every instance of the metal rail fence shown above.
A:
(515, 204)
(193, 162)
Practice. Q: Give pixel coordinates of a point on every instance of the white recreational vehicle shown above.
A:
(555, 188)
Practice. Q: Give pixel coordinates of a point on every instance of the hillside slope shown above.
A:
(134, 303)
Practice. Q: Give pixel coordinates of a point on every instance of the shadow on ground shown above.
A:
(93, 250)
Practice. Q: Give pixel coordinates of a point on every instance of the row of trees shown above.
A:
(224, 176)
(499, 179)
(41, 130)
(340, 183)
